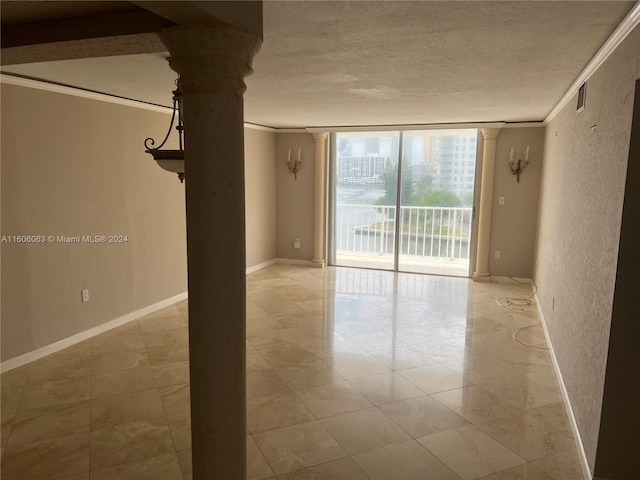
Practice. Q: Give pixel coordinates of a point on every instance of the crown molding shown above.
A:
(421, 126)
(627, 25)
(79, 92)
(291, 130)
(101, 97)
(263, 128)
(539, 124)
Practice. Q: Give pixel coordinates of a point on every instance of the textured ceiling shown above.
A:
(381, 63)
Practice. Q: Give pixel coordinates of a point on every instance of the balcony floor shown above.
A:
(410, 264)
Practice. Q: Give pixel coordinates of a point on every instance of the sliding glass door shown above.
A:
(365, 173)
(413, 215)
(436, 205)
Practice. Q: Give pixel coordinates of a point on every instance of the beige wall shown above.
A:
(513, 225)
(260, 194)
(73, 166)
(581, 202)
(295, 197)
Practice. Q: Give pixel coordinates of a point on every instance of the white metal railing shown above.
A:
(424, 233)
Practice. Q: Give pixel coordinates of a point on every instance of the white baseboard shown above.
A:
(87, 334)
(293, 261)
(116, 322)
(260, 266)
(582, 455)
(502, 279)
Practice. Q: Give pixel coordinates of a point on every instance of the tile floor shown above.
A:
(351, 374)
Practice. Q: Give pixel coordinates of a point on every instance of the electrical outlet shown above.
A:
(501, 200)
(497, 254)
(296, 243)
(85, 296)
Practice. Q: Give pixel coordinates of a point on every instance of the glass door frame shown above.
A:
(332, 189)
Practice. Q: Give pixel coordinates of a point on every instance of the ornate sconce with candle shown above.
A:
(518, 167)
(295, 165)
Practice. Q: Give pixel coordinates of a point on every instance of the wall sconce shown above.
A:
(518, 167)
(170, 160)
(295, 165)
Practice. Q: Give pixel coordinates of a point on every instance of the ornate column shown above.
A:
(319, 199)
(212, 61)
(489, 135)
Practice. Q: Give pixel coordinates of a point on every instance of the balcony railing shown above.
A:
(425, 233)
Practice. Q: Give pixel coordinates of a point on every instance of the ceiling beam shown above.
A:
(246, 15)
(94, 26)
(101, 35)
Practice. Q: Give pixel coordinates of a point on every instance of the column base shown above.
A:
(481, 277)
(317, 263)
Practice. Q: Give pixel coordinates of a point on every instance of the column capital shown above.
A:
(320, 137)
(490, 133)
(212, 58)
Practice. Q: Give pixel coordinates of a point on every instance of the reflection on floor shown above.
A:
(352, 374)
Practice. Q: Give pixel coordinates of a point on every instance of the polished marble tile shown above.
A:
(55, 392)
(443, 351)
(46, 459)
(469, 452)
(298, 446)
(475, 403)
(162, 467)
(57, 368)
(122, 381)
(286, 355)
(530, 438)
(255, 361)
(176, 373)
(128, 442)
(372, 341)
(132, 327)
(402, 357)
(333, 399)
(126, 408)
(161, 338)
(78, 476)
(523, 392)
(355, 366)
(5, 429)
(175, 399)
(554, 414)
(341, 469)
(274, 411)
(55, 421)
(184, 458)
(263, 383)
(354, 348)
(168, 354)
(161, 321)
(521, 472)
(16, 377)
(435, 378)
(180, 426)
(403, 461)
(117, 343)
(304, 375)
(561, 466)
(422, 416)
(10, 398)
(116, 361)
(257, 466)
(364, 430)
(385, 388)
